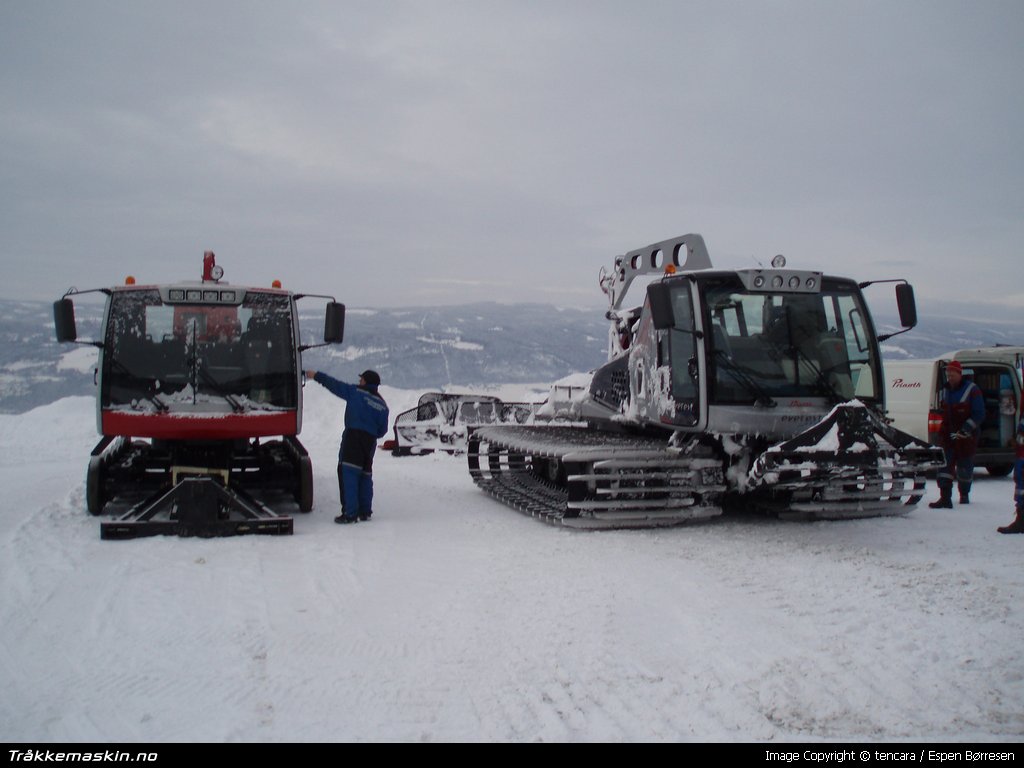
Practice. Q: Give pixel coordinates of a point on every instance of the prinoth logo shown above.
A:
(901, 384)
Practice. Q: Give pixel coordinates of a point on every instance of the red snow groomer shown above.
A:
(200, 404)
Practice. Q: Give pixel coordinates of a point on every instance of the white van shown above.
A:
(912, 399)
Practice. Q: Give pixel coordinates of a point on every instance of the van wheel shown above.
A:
(999, 470)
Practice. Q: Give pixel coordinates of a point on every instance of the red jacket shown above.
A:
(963, 410)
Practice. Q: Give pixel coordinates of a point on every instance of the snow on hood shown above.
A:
(205, 406)
(830, 440)
(575, 380)
(566, 396)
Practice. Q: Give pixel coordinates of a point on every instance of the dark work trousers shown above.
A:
(355, 473)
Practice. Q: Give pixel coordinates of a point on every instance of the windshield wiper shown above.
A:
(159, 404)
(218, 388)
(199, 372)
(824, 385)
(761, 396)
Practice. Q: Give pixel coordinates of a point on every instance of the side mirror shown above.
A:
(660, 299)
(334, 323)
(64, 320)
(906, 304)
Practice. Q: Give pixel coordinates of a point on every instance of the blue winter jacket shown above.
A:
(365, 409)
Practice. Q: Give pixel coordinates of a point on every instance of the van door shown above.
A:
(1001, 391)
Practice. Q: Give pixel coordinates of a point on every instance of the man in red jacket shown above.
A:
(963, 410)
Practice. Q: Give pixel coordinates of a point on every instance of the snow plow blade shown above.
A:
(197, 506)
(581, 479)
(850, 464)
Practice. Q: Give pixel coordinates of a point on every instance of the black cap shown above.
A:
(370, 377)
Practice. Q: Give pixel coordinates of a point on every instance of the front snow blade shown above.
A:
(850, 464)
(197, 506)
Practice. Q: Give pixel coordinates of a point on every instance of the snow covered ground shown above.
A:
(450, 617)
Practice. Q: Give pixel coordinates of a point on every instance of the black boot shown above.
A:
(1017, 526)
(965, 492)
(945, 498)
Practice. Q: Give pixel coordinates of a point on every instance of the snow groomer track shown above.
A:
(584, 479)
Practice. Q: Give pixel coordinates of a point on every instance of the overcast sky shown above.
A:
(438, 152)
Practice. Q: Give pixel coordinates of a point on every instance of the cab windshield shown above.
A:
(157, 355)
(764, 345)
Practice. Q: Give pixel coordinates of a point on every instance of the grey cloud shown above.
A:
(378, 146)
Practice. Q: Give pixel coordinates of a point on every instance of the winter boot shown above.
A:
(1017, 526)
(346, 519)
(965, 492)
(945, 500)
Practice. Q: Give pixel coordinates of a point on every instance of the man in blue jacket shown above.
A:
(366, 420)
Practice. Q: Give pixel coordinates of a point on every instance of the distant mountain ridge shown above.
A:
(412, 348)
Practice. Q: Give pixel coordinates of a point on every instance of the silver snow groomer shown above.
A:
(725, 389)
